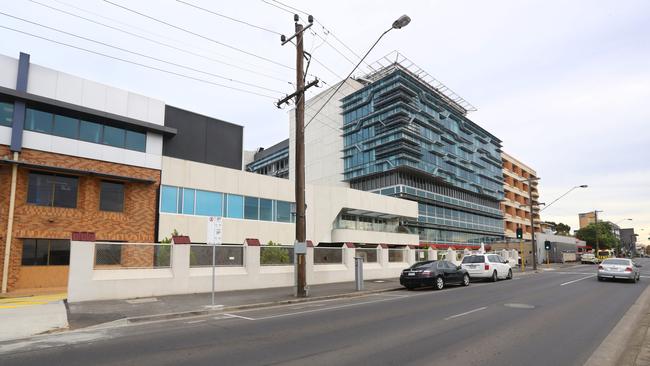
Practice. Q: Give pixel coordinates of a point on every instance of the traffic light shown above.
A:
(547, 245)
(520, 233)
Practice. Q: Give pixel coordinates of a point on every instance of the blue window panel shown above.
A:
(136, 141)
(6, 114)
(266, 209)
(38, 121)
(188, 201)
(168, 199)
(208, 203)
(113, 136)
(90, 132)
(283, 211)
(251, 207)
(66, 127)
(235, 206)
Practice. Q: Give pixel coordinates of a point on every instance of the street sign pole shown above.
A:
(214, 238)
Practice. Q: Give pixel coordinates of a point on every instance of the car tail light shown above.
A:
(426, 273)
(628, 269)
(487, 267)
(600, 267)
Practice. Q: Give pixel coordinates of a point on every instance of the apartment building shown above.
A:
(515, 205)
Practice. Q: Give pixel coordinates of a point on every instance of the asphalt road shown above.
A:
(550, 318)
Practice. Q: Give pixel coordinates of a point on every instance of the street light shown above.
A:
(399, 23)
(618, 222)
(557, 199)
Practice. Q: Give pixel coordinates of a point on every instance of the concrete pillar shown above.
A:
(181, 264)
(383, 256)
(80, 273)
(410, 255)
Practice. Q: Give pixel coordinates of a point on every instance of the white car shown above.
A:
(490, 266)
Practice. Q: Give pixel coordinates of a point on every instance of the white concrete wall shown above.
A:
(323, 141)
(324, 203)
(540, 238)
(88, 284)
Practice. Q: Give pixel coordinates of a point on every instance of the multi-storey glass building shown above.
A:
(406, 136)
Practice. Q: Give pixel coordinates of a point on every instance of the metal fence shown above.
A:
(276, 255)
(225, 255)
(325, 255)
(421, 255)
(369, 255)
(132, 256)
(396, 255)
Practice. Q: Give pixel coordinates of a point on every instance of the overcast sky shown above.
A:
(564, 84)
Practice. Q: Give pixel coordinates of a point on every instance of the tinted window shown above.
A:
(188, 201)
(494, 259)
(266, 209)
(474, 259)
(66, 127)
(168, 198)
(111, 197)
(52, 190)
(43, 252)
(251, 205)
(208, 203)
(38, 121)
(618, 262)
(6, 114)
(136, 141)
(59, 252)
(423, 265)
(91, 132)
(235, 206)
(283, 211)
(113, 136)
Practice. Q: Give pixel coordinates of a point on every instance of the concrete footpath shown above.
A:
(25, 316)
(93, 313)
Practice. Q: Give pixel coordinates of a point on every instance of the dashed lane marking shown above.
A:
(465, 313)
(579, 279)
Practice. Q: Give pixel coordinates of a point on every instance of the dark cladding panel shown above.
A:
(203, 139)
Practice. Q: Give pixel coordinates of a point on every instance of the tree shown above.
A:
(273, 253)
(562, 229)
(606, 238)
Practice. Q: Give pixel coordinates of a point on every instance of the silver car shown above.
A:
(619, 268)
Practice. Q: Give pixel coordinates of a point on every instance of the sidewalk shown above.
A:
(85, 314)
(29, 315)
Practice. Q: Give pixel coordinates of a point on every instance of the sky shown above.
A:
(564, 85)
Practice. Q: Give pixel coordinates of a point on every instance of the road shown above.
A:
(549, 318)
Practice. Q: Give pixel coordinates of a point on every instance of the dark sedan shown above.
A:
(433, 273)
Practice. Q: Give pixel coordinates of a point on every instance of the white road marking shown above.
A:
(238, 316)
(579, 279)
(465, 313)
(195, 321)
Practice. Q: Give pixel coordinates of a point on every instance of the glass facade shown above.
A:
(187, 201)
(398, 129)
(6, 114)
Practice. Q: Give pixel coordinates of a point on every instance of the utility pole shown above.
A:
(532, 223)
(596, 229)
(299, 95)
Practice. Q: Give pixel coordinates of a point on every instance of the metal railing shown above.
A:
(369, 255)
(325, 255)
(396, 255)
(276, 255)
(132, 255)
(225, 255)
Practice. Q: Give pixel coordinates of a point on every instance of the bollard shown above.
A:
(358, 273)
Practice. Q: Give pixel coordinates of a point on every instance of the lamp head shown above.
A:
(401, 22)
(583, 186)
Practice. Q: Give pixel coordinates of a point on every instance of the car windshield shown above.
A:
(422, 265)
(618, 262)
(474, 259)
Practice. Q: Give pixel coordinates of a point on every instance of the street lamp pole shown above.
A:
(557, 199)
(596, 228)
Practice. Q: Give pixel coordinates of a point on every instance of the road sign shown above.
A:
(215, 230)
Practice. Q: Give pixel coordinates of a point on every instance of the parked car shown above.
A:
(619, 268)
(589, 258)
(490, 266)
(438, 274)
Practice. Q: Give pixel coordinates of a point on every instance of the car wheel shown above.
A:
(600, 279)
(440, 283)
(494, 277)
(509, 276)
(466, 280)
(409, 288)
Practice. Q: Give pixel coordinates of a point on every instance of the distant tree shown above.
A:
(551, 224)
(602, 230)
(562, 229)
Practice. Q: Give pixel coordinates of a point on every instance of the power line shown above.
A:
(198, 35)
(150, 39)
(139, 64)
(228, 17)
(143, 55)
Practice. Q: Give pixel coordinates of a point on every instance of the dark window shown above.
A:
(111, 197)
(136, 141)
(474, 259)
(266, 209)
(44, 252)
(38, 121)
(6, 114)
(113, 136)
(251, 207)
(66, 127)
(91, 132)
(52, 190)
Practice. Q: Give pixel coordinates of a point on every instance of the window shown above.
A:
(38, 121)
(136, 141)
(169, 199)
(45, 252)
(235, 206)
(52, 190)
(6, 114)
(208, 203)
(283, 211)
(66, 127)
(266, 209)
(251, 206)
(188, 201)
(113, 136)
(111, 197)
(90, 131)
